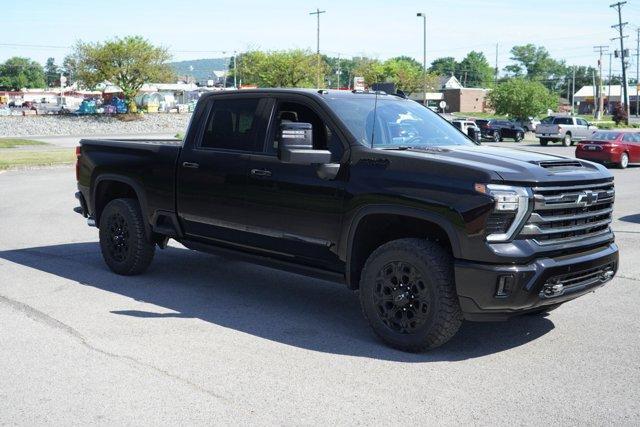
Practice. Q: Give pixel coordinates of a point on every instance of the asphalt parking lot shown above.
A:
(201, 340)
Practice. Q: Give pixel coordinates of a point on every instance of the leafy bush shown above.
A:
(619, 114)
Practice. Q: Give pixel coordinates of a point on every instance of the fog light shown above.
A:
(504, 286)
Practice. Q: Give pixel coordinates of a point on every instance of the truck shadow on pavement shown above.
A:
(267, 303)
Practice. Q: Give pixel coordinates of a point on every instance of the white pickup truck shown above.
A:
(566, 129)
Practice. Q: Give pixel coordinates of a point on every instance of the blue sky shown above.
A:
(203, 29)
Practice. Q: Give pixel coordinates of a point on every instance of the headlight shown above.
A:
(510, 208)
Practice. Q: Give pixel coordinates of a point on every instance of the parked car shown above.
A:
(497, 130)
(611, 147)
(469, 128)
(367, 189)
(567, 129)
(529, 124)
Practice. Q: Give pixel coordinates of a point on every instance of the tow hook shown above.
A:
(552, 289)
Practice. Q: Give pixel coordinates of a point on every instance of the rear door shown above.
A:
(212, 173)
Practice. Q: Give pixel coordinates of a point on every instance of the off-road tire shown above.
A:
(123, 241)
(434, 267)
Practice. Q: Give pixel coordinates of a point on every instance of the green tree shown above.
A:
(408, 75)
(51, 72)
(446, 66)
(372, 70)
(69, 68)
(17, 73)
(128, 62)
(521, 98)
(535, 63)
(475, 70)
(286, 68)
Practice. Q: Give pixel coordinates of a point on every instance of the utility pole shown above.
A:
(602, 49)
(609, 86)
(235, 70)
(637, 69)
(424, 54)
(496, 72)
(317, 13)
(620, 25)
(573, 89)
(593, 76)
(338, 73)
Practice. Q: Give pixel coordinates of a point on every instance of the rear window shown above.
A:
(482, 122)
(563, 121)
(604, 136)
(631, 137)
(547, 120)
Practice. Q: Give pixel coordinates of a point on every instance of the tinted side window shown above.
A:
(233, 124)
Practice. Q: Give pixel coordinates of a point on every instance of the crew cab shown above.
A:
(563, 128)
(364, 188)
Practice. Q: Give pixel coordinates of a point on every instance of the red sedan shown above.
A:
(611, 147)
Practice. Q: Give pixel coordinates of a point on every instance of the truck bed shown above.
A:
(148, 165)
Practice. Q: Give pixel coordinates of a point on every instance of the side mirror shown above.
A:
(295, 145)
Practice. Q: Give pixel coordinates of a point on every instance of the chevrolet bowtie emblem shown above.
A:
(587, 198)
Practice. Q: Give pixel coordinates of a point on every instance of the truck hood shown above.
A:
(518, 165)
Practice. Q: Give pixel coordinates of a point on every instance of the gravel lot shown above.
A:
(91, 125)
(199, 340)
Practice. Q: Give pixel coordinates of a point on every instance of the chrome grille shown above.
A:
(566, 214)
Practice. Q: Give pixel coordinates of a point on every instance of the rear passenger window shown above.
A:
(631, 137)
(234, 124)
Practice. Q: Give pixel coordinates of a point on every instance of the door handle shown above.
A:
(260, 172)
(190, 165)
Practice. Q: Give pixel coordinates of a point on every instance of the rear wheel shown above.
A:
(566, 140)
(624, 161)
(408, 295)
(519, 136)
(123, 241)
(544, 142)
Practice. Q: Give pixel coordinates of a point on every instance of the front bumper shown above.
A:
(489, 292)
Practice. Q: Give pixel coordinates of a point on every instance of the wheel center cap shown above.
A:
(401, 298)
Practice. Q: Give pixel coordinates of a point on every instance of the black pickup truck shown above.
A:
(368, 189)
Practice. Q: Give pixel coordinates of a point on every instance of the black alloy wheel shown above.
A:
(401, 297)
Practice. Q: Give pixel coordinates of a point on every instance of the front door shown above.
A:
(212, 173)
(290, 209)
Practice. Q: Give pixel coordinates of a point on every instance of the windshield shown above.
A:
(604, 136)
(391, 122)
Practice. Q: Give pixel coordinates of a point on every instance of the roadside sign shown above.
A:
(443, 105)
(358, 83)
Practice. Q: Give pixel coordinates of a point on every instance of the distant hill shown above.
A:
(202, 68)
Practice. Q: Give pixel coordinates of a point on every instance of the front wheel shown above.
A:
(624, 161)
(519, 137)
(408, 295)
(496, 136)
(123, 241)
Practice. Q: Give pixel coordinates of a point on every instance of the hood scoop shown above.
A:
(558, 164)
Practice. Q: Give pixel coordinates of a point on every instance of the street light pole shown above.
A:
(317, 13)
(424, 54)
